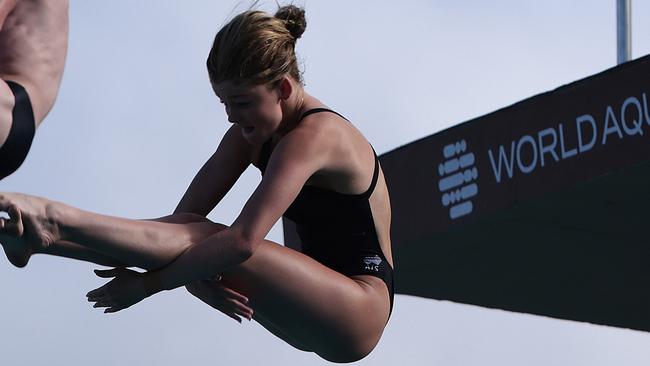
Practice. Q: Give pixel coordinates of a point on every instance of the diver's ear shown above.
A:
(285, 88)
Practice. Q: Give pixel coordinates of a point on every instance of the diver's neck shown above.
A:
(294, 112)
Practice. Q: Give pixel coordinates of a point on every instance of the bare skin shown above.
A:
(33, 48)
(296, 298)
(6, 6)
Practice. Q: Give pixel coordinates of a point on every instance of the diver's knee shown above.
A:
(182, 218)
(348, 349)
(346, 354)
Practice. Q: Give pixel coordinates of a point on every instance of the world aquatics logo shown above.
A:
(458, 177)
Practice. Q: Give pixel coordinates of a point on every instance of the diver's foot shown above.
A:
(28, 229)
(18, 255)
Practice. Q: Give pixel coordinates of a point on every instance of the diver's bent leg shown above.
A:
(36, 223)
(208, 295)
(268, 325)
(148, 244)
(339, 318)
(72, 250)
(141, 243)
(77, 251)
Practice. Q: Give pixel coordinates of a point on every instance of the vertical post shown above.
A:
(623, 31)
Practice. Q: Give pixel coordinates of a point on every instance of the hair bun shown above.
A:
(293, 18)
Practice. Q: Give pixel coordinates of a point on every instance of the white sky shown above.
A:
(136, 118)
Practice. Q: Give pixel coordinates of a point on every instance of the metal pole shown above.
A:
(623, 31)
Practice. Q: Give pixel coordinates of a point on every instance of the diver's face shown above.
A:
(256, 109)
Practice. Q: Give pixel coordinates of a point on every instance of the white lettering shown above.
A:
(633, 112)
(527, 169)
(504, 159)
(609, 116)
(645, 109)
(579, 121)
(550, 148)
(565, 154)
(637, 123)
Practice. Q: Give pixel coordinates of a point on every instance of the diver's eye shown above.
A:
(242, 104)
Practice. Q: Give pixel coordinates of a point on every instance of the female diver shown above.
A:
(335, 297)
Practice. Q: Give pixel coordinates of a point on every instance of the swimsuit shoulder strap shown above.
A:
(266, 151)
(375, 177)
(317, 110)
(375, 174)
(265, 154)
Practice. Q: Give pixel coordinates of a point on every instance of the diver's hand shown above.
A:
(127, 288)
(222, 298)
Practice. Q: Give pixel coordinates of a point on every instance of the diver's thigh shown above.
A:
(312, 304)
(268, 325)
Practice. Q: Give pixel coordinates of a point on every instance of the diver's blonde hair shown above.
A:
(257, 48)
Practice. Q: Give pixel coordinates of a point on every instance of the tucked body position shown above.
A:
(334, 297)
(33, 47)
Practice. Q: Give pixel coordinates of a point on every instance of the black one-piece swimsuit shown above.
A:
(338, 229)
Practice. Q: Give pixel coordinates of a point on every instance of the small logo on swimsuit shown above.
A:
(458, 177)
(372, 263)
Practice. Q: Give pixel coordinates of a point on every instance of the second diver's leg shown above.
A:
(34, 43)
(33, 47)
(6, 96)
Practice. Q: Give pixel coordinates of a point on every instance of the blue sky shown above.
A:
(136, 118)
